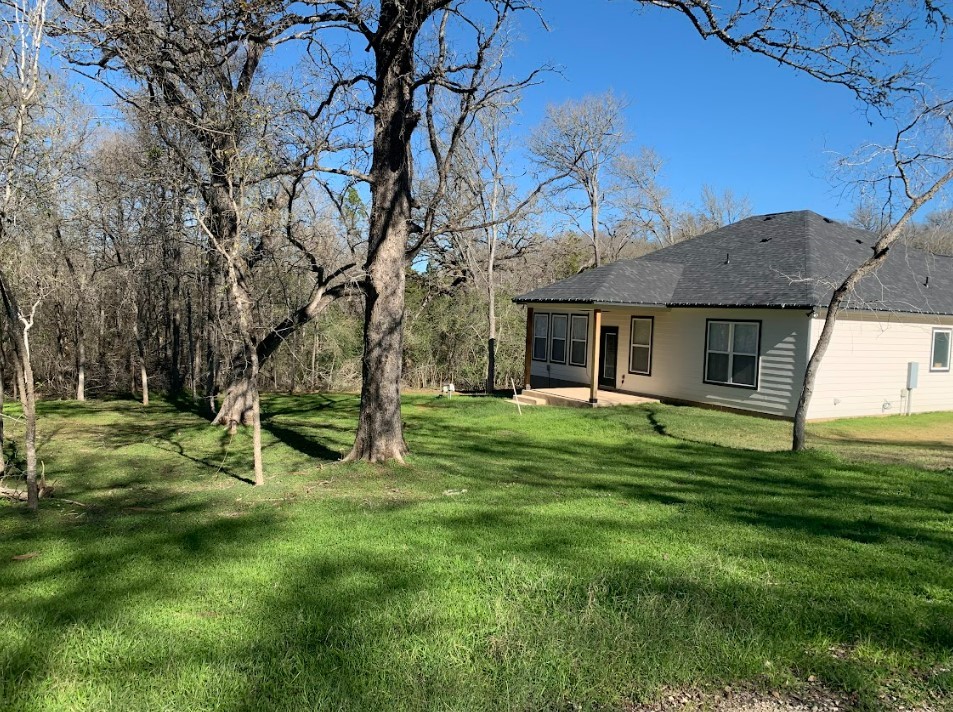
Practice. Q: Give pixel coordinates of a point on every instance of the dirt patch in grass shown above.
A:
(813, 697)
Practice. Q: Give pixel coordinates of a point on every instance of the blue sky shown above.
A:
(730, 120)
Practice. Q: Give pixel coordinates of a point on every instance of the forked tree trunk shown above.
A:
(380, 435)
(237, 401)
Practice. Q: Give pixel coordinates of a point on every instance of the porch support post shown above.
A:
(528, 366)
(594, 362)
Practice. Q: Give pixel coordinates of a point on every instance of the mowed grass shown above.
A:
(562, 559)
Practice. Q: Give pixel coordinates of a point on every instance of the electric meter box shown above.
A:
(913, 373)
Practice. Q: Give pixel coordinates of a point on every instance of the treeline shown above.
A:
(327, 195)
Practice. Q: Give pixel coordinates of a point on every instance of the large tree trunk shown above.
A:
(380, 435)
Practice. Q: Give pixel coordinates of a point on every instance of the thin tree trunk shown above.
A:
(80, 361)
(193, 384)
(314, 360)
(28, 402)
(256, 424)
(594, 212)
(20, 332)
(3, 366)
(141, 348)
(491, 297)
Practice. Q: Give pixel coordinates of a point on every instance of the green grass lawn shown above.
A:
(560, 559)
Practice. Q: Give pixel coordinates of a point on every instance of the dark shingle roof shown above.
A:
(781, 260)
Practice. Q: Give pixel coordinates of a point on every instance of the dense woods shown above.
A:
(303, 196)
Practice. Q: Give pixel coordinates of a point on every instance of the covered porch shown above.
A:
(581, 358)
(579, 397)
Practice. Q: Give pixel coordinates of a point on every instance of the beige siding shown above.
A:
(678, 358)
(865, 369)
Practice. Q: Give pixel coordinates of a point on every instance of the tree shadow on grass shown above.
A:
(578, 567)
(296, 440)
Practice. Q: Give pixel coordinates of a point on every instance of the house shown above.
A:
(730, 318)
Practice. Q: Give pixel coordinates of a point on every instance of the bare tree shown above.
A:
(922, 165)
(483, 194)
(24, 24)
(581, 139)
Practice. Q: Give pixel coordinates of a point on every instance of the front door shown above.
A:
(608, 356)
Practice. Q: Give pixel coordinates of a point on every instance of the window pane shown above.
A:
(717, 367)
(580, 328)
(746, 339)
(742, 370)
(539, 348)
(577, 353)
(941, 349)
(558, 351)
(640, 359)
(641, 332)
(718, 336)
(541, 325)
(559, 326)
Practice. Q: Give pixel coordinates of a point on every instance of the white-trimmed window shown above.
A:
(540, 337)
(578, 339)
(640, 352)
(731, 353)
(559, 325)
(940, 353)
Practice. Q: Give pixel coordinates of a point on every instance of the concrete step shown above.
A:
(529, 400)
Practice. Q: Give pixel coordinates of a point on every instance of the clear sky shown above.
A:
(726, 119)
(729, 120)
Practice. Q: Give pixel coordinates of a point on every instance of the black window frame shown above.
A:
(651, 344)
(757, 355)
(536, 335)
(949, 354)
(585, 341)
(565, 339)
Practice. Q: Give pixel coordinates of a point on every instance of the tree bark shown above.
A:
(380, 435)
